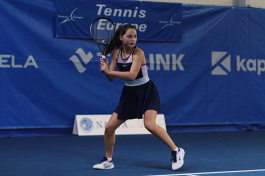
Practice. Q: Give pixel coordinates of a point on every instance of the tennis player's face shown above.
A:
(129, 39)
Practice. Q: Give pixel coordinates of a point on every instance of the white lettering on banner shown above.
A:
(160, 58)
(260, 67)
(13, 63)
(30, 62)
(256, 65)
(3, 61)
(124, 13)
(141, 27)
(9, 61)
(102, 25)
(175, 62)
(120, 12)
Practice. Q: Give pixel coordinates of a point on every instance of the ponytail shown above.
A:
(116, 42)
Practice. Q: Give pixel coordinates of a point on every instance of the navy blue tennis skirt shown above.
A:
(135, 100)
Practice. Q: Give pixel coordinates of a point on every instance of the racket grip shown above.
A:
(104, 57)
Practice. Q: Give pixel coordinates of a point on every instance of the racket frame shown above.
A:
(102, 50)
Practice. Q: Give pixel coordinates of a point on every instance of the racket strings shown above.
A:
(102, 32)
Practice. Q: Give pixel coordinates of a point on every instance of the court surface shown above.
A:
(207, 154)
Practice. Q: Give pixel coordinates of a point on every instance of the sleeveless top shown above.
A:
(125, 65)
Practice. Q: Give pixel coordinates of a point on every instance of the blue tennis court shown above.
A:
(224, 153)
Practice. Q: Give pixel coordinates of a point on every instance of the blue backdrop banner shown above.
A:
(213, 78)
(155, 21)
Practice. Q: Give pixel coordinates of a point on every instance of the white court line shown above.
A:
(205, 173)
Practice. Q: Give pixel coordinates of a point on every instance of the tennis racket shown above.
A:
(102, 31)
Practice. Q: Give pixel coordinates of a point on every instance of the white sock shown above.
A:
(177, 149)
(110, 159)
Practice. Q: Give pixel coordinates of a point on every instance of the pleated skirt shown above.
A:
(135, 100)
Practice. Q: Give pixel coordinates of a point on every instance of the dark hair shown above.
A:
(115, 42)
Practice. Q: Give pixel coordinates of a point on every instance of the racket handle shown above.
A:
(103, 56)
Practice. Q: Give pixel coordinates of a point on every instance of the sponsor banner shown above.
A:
(215, 76)
(88, 125)
(155, 21)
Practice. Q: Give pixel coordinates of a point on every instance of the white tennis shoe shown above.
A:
(104, 164)
(177, 159)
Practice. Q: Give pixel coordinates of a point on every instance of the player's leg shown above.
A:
(109, 140)
(150, 124)
(109, 135)
(152, 127)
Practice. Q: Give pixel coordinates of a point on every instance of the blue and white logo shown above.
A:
(86, 125)
(71, 17)
(81, 59)
(221, 63)
(171, 22)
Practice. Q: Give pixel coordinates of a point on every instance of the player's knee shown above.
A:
(150, 126)
(109, 130)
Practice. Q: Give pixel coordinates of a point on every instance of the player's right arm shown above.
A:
(113, 64)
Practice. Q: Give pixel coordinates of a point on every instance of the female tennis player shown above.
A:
(139, 95)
